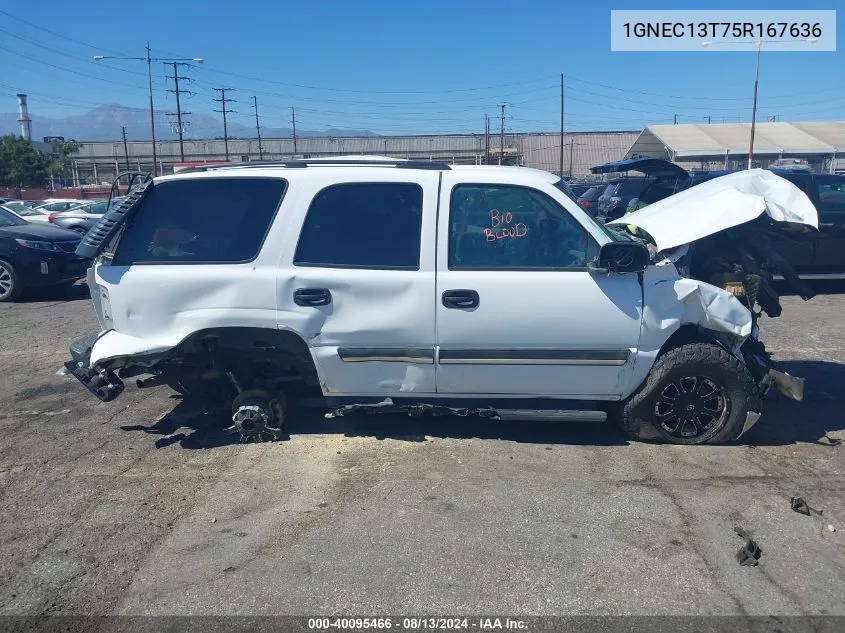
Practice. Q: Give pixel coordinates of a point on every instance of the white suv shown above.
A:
(419, 286)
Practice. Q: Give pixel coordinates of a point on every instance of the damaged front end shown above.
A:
(724, 233)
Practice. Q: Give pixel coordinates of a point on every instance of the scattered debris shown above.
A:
(800, 506)
(214, 519)
(830, 528)
(749, 554)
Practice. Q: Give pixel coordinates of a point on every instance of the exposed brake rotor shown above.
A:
(257, 416)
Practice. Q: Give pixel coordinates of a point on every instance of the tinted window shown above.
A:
(506, 227)
(202, 220)
(363, 225)
(96, 207)
(831, 194)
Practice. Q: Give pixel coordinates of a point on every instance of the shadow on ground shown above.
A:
(786, 421)
(62, 292)
(194, 424)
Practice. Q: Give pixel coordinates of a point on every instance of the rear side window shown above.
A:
(220, 220)
(363, 225)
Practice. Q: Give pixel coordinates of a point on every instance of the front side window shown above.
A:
(209, 220)
(495, 227)
(363, 225)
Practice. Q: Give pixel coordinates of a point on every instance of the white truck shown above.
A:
(384, 284)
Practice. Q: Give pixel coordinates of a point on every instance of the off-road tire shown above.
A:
(7, 270)
(706, 359)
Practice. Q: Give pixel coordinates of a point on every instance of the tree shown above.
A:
(22, 164)
(63, 151)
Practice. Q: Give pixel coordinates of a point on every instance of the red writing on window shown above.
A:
(504, 227)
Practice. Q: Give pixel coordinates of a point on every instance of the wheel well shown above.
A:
(687, 334)
(256, 356)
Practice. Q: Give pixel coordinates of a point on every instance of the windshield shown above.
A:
(564, 187)
(7, 218)
(21, 210)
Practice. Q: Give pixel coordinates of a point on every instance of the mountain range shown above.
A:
(104, 123)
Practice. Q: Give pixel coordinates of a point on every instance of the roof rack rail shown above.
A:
(304, 162)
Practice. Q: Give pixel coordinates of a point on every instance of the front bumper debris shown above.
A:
(789, 386)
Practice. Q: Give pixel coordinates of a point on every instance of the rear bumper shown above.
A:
(105, 385)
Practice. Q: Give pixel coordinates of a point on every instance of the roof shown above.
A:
(686, 140)
(356, 162)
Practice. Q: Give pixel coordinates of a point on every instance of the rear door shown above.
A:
(518, 313)
(358, 279)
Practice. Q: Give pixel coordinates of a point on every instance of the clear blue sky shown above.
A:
(401, 67)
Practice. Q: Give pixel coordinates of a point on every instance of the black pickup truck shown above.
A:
(813, 255)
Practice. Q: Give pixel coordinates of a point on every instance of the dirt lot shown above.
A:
(143, 505)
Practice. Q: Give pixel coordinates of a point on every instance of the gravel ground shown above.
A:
(144, 505)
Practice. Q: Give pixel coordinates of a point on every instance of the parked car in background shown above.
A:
(588, 200)
(35, 256)
(57, 206)
(617, 195)
(83, 217)
(28, 213)
(579, 188)
(22, 204)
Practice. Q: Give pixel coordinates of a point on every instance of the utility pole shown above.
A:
(708, 119)
(152, 113)
(486, 139)
(561, 129)
(257, 128)
(571, 145)
(502, 135)
(754, 107)
(222, 101)
(180, 127)
(293, 122)
(126, 147)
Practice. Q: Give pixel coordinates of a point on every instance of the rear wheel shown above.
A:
(10, 287)
(698, 393)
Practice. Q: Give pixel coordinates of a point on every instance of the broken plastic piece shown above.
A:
(800, 506)
(790, 386)
(751, 418)
(750, 553)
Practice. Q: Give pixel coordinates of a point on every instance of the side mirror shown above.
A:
(621, 257)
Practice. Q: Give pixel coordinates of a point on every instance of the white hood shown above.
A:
(720, 204)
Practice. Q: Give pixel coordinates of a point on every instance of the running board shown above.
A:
(551, 415)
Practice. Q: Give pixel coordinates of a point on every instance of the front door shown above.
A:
(518, 313)
(830, 242)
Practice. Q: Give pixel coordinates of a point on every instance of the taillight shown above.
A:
(51, 217)
(584, 203)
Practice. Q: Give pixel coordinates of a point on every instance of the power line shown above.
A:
(223, 100)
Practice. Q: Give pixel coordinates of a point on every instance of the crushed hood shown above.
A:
(720, 204)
